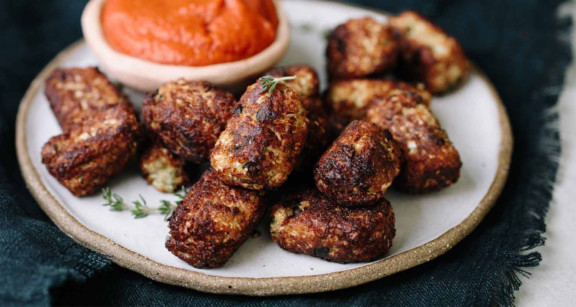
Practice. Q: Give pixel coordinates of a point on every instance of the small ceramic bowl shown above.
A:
(144, 75)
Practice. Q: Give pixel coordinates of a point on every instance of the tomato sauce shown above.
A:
(189, 32)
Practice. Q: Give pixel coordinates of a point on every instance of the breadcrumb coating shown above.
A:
(359, 166)
(89, 154)
(428, 54)
(349, 99)
(188, 117)
(308, 223)
(101, 131)
(213, 220)
(359, 48)
(76, 93)
(430, 160)
(262, 140)
(306, 85)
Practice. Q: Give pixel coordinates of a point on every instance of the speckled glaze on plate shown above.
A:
(427, 225)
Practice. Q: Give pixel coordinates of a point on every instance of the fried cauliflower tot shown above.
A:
(306, 85)
(359, 48)
(213, 220)
(90, 153)
(430, 160)
(263, 139)
(349, 99)
(75, 93)
(359, 166)
(428, 54)
(162, 169)
(188, 117)
(307, 223)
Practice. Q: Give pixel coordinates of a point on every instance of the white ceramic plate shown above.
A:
(427, 225)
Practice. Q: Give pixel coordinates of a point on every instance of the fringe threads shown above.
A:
(540, 191)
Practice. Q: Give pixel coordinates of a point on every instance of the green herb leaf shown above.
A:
(269, 83)
(182, 193)
(140, 208)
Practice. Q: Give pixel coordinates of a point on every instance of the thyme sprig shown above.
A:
(139, 208)
(269, 83)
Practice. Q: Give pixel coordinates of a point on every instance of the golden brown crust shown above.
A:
(259, 147)
(359, 48)
(90, 153)
(75, 93)
(430, 160)
(100, 129)
(359, 166)
(162, 169)
(317, 139)
(428, 54)
(188, 117)
(306, 85)
(349, 99)
(307, 223)
(212, 221)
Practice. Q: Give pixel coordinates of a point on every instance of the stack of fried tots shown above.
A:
(388, 134)
(100, 129)
(257, 151)
(385, 135)
(348, 220)
(183, 119)
(409, 46)
(418, 51)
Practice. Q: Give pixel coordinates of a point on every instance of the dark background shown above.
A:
(514, 42)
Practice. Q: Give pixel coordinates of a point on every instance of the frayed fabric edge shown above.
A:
(542, 185)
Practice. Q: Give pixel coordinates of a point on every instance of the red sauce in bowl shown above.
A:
(189, 32)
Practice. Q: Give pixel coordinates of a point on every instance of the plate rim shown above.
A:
(252, 285)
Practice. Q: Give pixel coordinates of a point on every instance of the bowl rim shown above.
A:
(244, 285)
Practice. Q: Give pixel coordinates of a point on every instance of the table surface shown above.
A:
(553, 283)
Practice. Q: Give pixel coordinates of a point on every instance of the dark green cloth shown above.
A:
(515, 42)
